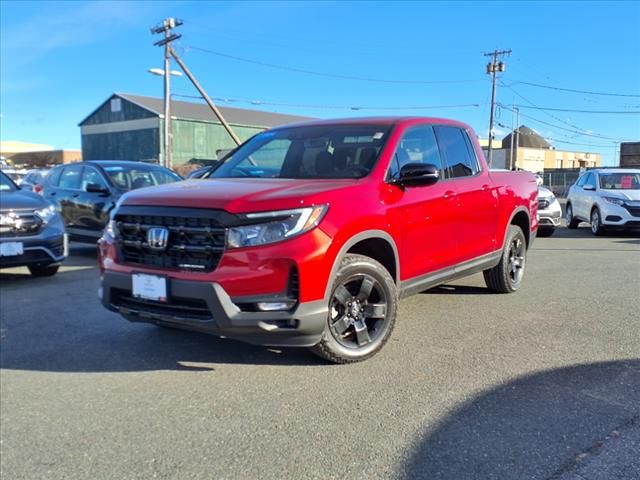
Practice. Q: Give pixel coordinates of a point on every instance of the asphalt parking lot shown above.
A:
(472, 385)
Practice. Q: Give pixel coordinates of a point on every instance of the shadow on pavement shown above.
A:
(458, 290)
(533, 427)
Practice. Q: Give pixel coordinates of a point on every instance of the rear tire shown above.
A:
(362, 311)
(506, 277)
(596, 222)
(43, 270)
(572, 222)
(546, 231)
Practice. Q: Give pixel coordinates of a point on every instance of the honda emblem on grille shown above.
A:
(157, 238)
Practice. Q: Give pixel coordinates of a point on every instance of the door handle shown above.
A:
(485, 187)
(449, 194)
(52, 194)
(75, 195)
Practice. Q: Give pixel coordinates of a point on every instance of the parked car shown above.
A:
(34, 179)
(605, 198)
(307, 235)
(14, 174)
(31, 231)
(549, 212)
(86, 192)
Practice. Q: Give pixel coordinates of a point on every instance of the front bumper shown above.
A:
(206, 307)
(51, 245)
(551, 216)
(627, 216)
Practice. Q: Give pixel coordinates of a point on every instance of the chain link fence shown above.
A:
(559, 180)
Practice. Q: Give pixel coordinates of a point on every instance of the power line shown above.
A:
(325, 74)
(335, 107)
(550, 87)
(610, 112)
(565, 129)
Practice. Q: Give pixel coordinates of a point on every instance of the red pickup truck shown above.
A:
(307, 235)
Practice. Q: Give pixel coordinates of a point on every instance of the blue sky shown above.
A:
(60, 60)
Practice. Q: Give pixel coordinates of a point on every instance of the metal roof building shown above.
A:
(130, 127)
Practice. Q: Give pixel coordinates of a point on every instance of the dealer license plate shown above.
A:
(11, 249)
(149, 287)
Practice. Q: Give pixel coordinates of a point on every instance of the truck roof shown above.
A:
(382, 120)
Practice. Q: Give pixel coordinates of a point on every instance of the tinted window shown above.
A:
(417, 145)
(54, 176)
(70, 177)
(6, 184)
(130, 177)
(454, 148)
(620, 181)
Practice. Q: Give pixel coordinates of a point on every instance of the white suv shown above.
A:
(605, 198)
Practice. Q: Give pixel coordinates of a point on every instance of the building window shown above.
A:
(558, 163)
(116, 104)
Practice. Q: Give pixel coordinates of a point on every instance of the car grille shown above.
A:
(196, 237)
(543, 203)
(20, 224)
(634, 211)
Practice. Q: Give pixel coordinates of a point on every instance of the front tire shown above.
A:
(572, 222)
(362, 311)
(43, 270)
(506, 277)
(596, 222)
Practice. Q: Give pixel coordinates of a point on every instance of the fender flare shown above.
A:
(513, 214)
(365, 235)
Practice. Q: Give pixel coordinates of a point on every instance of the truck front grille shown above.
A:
(195, 242)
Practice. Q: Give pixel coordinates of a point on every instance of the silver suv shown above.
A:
(605, 198)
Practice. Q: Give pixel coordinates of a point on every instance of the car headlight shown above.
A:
(275, 226)
(111, 229)
(46, 213)
(614, 201)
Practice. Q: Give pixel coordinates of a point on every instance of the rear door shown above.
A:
(427, 213)
(67, 193)
(477, 215)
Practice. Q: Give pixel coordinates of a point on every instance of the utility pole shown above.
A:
(515, 164)
(493, 68)
(165, 27)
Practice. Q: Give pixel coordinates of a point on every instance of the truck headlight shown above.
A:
(271, 227)
(614, 201)
(46, 213)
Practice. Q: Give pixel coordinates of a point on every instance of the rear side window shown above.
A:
(54, 177)
(417, 145)
(455, 148)
(70, 177)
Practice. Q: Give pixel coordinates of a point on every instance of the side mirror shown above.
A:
(589, 187)
(96, 188)
(417, 174)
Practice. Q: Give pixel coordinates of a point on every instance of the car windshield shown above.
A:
(320, 151)
(620, 181)
(132, 177)
(6, 185)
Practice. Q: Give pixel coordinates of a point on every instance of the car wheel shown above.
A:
(596, 222)
(506, 277)
(546, 231)
(43, 270)
(572, 222)
(362, 311)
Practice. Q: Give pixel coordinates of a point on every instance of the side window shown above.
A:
(455, 150)
(70, 177)
(581, 180)
(91, 175)
(417, 145)
(591, 180)
(54, 176)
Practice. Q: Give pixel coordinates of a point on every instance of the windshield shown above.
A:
(321, 151)
(128, 177)
(620, 181)
(6, 185)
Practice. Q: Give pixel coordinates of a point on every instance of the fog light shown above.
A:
(274, 306)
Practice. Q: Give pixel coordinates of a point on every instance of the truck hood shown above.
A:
(239, 195)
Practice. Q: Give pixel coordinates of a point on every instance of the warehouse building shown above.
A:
(130, 127)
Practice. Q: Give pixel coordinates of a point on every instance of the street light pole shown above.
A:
(493, 68)
(167, 103)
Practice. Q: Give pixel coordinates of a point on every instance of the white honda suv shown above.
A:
(605, 198)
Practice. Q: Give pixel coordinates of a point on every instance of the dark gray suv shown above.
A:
(31, 231)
